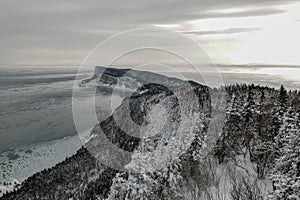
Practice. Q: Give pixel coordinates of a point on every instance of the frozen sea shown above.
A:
(36, 122)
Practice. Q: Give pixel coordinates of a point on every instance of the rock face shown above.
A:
(131, 79)
(164, 120)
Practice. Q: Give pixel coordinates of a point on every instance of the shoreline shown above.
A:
(23, 162)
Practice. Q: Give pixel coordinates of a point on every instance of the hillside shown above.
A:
(83, 177)
(234, 142)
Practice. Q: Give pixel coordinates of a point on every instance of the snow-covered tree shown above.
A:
(228, 143)
(286, 173)
(132, 186)
(161, 184)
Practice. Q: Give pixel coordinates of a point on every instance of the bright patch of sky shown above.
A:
(269, 39)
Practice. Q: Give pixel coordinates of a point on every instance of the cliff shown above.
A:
(182, 106)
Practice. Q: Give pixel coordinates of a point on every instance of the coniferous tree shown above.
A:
(286, 173)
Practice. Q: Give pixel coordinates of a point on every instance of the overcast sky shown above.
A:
(60, 32)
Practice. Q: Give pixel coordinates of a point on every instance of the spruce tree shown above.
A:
(286, 173)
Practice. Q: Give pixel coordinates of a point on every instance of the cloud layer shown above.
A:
(62, 32)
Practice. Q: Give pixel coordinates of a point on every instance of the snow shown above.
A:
(8, 186)
(23, 162)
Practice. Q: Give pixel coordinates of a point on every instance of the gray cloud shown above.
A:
(226, 31)
(247, 13)
(79, 25)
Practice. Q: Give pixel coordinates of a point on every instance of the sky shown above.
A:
(61, 32)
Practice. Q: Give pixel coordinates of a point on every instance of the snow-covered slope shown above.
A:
(152, 125)
(163, 114)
